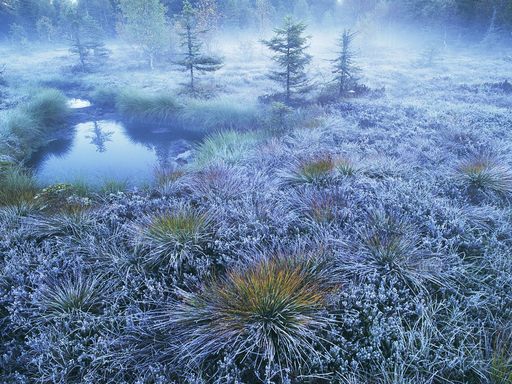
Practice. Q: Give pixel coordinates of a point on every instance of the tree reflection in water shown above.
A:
(99, 137)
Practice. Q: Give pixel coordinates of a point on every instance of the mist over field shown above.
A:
(256, 191)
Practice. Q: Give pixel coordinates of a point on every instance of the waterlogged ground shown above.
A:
(382, 195)
(102, 151)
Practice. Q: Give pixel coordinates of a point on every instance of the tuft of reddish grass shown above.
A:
(270, 311)
(485, 173)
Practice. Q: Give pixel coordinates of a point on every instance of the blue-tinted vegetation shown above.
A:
(269, 191)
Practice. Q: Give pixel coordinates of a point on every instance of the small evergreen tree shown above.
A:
(343, 65)
(194, 60)
(86, 39)
(146, 26)
(289, 45)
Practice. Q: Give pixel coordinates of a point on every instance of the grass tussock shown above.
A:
(484, 173)
(16, 187)
(113, 186)
(320, 206)
(346, 167)
(227, 147)
(167, 175)
(73, 295)
(220, 114)
(48, 108)
(30, 126)
(171, 236)
(318, 170)
(77, 221)
(137, 106)
(269, 311)
(388, 245)
(501, 358)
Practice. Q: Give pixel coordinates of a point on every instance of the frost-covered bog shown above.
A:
(256, 191)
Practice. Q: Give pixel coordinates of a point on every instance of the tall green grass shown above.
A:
(16, 187)
(195, 115)
(227, 147)
(29, 127)
(104, 97)
(48, 108)
(220, 114)
(137, 106)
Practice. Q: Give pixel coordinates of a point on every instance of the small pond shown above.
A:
(98, 151)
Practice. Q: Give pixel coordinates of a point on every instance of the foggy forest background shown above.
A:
(49, 19)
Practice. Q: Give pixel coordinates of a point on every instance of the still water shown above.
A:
(106, 150)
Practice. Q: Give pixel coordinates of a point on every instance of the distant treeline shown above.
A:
(35, 17)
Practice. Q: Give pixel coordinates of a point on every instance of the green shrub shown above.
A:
(279, 117)
(64, 198)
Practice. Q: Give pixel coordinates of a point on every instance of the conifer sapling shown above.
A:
(344, 69)
(194, 60)
(289, 45)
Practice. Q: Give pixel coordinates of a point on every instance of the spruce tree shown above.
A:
(289, 46)
(194, 60)
(86, 38)
(344, 69)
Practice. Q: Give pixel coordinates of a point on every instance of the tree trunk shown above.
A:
(288, 77)
(191, 77)
(492, 25)
(81, 54)
(190, 56)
